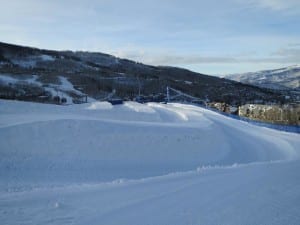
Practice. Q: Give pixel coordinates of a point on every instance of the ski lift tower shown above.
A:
(168, 94)
(181, 95)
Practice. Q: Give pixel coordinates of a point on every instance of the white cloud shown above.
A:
(192, 32)
(289, 52)
(277, 5)
(281, 56)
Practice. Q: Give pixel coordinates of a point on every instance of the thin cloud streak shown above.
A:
(285, 6)
(282, 56)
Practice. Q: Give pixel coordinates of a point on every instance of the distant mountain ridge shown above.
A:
(281, 79)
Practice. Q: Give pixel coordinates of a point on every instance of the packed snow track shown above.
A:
(139, 164)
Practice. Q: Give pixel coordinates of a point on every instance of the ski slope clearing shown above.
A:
(64, 88)
(143, 164)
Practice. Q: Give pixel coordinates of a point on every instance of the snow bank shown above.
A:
(137, 107)
(81, 164)
(100, 106)
(98, 142)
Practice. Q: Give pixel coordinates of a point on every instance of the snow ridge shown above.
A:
(81, 164)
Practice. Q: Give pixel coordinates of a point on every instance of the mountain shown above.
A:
(44, 75)
(281, 79)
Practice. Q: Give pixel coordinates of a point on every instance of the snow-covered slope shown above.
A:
(143, 164)
(284, 78)
(63, 88)
(97, 75)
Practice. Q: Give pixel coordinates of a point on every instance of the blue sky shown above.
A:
(213, 37)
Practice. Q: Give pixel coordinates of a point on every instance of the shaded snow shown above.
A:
(7, 79)
(10, 80)
(47, 58)
(63, 89)
(31, 61)
(284, 78)
(143, 164)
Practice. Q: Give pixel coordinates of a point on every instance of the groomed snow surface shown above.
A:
(151, 164)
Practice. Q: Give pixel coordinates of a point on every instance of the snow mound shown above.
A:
(99, 142)
(81, 164)
(137, 107)
(100, 106)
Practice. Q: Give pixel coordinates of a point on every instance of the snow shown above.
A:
(100, 106)
(283, 78)
(287, 69)
(7, 79)
(3, 64)
(178, 164)
(63, 89)
(66, 85)
(31, 61)
(188, 82)
(25, 63)
(137, 107)
(47, 58)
